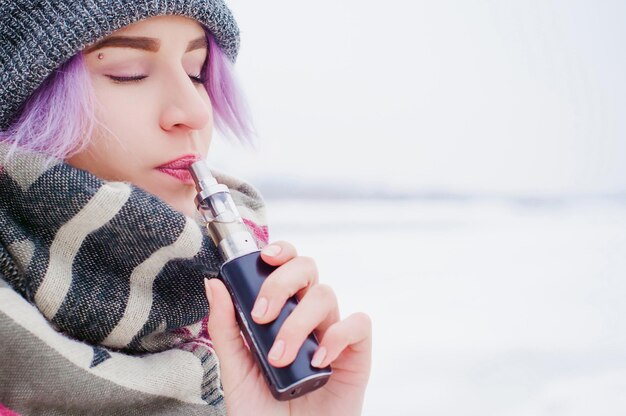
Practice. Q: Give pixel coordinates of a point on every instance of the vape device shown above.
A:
(243, 273)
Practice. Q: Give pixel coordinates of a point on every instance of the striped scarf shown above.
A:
(102, 307)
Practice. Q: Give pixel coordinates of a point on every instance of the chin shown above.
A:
(186, 206)
(189, 211)
(182, 198)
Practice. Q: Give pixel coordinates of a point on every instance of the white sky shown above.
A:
(454, 95)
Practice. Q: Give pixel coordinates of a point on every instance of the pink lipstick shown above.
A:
(179, 168)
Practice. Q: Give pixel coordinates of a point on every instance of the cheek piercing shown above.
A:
(100, 56)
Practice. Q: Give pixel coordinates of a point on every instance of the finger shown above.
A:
(236, 362)
(317, 309)
(223, 329)
(278, 252)
(294, 277)
(355, 332)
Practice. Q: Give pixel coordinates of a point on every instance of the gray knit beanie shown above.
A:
(37, 36)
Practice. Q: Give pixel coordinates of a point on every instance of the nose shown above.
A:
(185, 104)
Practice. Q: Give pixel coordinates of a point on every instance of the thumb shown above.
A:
(234, 356)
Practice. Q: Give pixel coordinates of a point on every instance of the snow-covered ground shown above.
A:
(479, 308)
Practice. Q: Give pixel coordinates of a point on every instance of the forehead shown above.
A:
(163, 26)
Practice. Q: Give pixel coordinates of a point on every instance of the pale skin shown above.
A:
(163, 113)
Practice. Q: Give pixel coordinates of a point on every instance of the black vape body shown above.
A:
(243, 277)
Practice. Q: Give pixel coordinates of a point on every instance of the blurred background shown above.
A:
(458, 171)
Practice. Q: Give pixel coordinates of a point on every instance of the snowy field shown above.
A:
(479, 308)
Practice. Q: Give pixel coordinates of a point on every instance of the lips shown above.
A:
(179, 168)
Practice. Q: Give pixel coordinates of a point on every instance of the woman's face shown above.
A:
(155, 113)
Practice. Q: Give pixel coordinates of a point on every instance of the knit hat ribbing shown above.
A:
(37, 36)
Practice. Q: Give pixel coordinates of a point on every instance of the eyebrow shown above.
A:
(197, 44)
(142, 43)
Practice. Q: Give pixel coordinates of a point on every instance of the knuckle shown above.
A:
(309, 264)
(363, 320)
(309, 261)
(325, 291)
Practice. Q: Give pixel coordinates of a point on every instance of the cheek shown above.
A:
(104, 157)
(125, 113)
(116, 148)
(208, 129)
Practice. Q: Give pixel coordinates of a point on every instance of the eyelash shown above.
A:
(127, 79)
(135, 78)
(197, 79)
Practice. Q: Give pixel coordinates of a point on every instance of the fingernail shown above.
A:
(260, 307)
(271, 250)
(277, 350)
(318, 357)
(207, 289)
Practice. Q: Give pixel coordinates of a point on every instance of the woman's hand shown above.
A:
(344, 344)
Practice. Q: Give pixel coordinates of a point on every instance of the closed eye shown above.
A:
(135, 78)
(132, 78)
(197, 79)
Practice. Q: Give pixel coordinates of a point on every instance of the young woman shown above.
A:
(103, 107)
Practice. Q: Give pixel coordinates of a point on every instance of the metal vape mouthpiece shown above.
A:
(202, 175)
(213, 199)
(215, 204)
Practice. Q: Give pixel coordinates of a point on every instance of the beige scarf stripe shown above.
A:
(97, 212)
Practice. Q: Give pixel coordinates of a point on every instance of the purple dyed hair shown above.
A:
(58, 119)
(232, 115)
